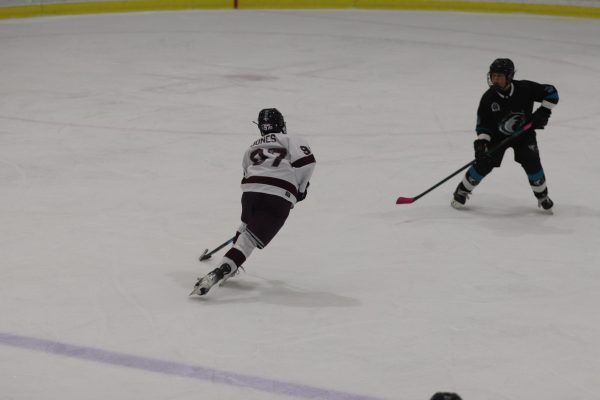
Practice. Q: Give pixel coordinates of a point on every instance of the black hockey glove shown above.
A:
(540, 117)
(302, 195)
(481, 148)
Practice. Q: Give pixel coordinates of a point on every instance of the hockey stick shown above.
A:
(502, 144)
(206, 255)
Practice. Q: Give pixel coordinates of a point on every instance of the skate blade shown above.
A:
(223, 282)
(199, 291)
(204, 255)
(456, 205)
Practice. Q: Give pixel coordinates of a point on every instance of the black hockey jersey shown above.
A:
(502, 114)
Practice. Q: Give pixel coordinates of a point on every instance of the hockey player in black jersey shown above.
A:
(504, 108)
(277, 169)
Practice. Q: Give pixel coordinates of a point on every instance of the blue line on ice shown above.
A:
(178, 369)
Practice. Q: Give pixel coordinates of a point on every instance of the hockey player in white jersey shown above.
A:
(277, 169)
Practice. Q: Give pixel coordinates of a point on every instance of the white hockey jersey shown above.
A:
(278, 164)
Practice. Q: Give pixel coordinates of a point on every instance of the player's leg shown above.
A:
(473, 177)
(527, 154)
(264, 215)
(243, 245)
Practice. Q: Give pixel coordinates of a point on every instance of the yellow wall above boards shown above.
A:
(91, 7)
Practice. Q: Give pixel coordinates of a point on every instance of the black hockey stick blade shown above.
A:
(205, 255)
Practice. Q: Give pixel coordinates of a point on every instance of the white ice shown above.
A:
(121, 139)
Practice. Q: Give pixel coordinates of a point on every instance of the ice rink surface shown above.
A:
(121, 139)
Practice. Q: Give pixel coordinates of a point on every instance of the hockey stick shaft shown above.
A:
(206, 255)
(501, 145)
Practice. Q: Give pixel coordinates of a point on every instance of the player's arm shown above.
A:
(246, 162)
(548, 96)
(484, 128)
(303, 161)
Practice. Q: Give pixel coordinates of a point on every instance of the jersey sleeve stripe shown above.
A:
(267, 180)
(548, 105)
(301, 162)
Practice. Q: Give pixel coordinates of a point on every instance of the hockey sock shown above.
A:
(538, 184)
(471, 179)
(239, 231)
(241, 250)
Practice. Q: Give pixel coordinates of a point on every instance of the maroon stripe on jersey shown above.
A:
(301, 162)
(236, 256)
(267, 180)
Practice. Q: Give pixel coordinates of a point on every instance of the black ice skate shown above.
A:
(460, 197)
(546, 203)
(211, 279)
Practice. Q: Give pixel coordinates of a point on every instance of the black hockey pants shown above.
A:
(526, 154)
(264, 215)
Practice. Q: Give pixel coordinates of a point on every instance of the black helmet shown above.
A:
(270, 120)
(502, 66)
(445, 396)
